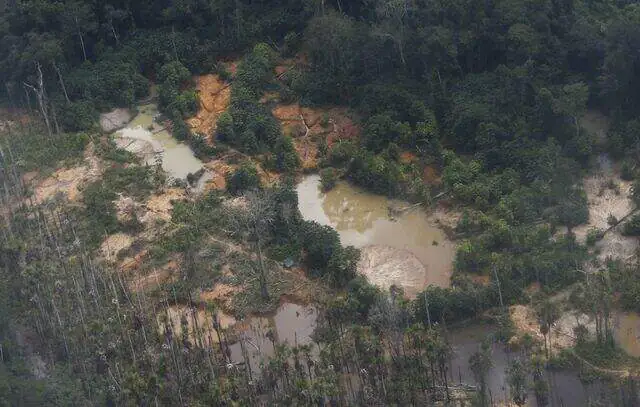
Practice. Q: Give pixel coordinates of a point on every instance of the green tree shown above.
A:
(572, 101)
(517, 380)
(245, 178)
(548, 314)
(480, 364)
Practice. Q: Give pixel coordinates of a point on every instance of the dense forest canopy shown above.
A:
(490, 95)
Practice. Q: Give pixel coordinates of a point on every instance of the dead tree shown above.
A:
(255, 223)
(41, 96)
(62, 85)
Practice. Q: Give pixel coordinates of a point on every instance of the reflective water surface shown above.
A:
(178, 159)
(362, 220)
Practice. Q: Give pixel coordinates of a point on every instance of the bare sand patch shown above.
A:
(608, 196)
(604, 202)
(114, 243)
(616, 246)
(133, 263)
(526, 321)
(221, 292)
(63, 181)
(386, 266)
(115, 119)
(159, 206)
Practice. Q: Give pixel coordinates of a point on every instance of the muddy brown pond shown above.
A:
(410, 251)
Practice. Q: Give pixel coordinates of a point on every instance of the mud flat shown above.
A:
(410, 251)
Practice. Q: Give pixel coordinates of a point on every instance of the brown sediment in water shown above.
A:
(627, 332)
(362, 220)
(153, 143)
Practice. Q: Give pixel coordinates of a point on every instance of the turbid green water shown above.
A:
(147, 138)
(422, 253)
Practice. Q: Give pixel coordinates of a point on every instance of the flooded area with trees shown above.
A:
(320, 203)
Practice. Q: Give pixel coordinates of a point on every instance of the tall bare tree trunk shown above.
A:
(62, 85)
(84, 50)
(263, 276)
(41, 97)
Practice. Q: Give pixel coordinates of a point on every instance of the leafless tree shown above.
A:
(254, 224)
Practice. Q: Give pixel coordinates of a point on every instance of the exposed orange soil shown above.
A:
(156, 278)
(160, 206)
(214, 97)
(114, 243)
(481, 279)
(305, 126)
(131, 264)
(267, 178)
(407, 157)
(430, 175)
(219, 169)
(221, 294)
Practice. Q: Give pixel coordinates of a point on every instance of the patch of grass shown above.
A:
(593, 235)
(132, 181)
(601, 355)
(34, 150)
